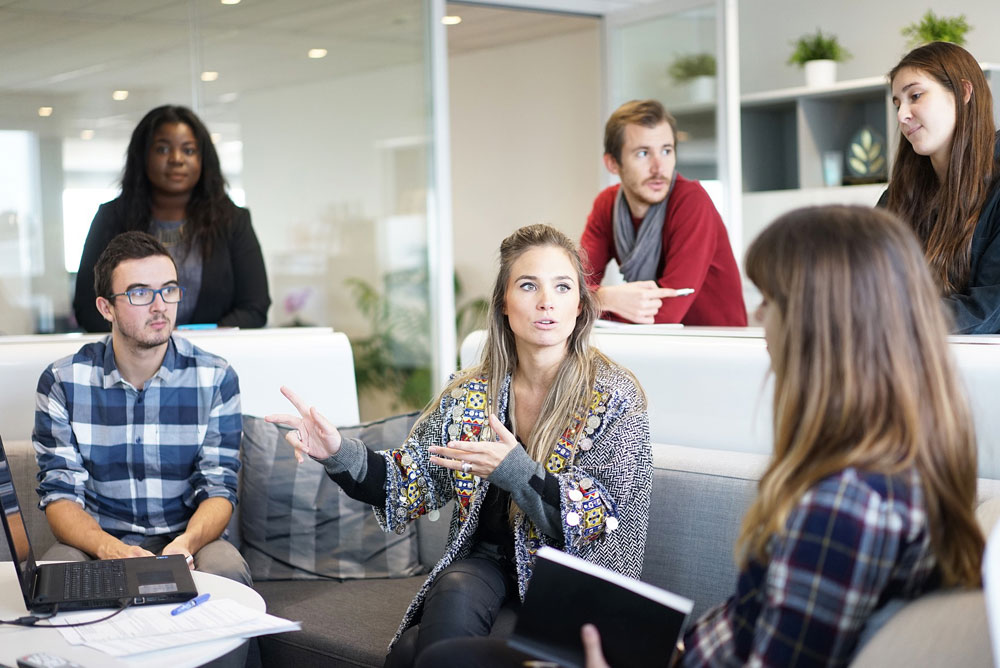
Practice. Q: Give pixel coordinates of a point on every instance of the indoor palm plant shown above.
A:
(697, 71)
(819, 54)
(932, 28)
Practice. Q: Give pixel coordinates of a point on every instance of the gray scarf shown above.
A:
(639, 250)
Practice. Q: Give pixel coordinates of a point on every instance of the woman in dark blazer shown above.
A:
(173, 188)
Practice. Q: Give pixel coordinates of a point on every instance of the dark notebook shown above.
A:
(638, 622)
(106, 583)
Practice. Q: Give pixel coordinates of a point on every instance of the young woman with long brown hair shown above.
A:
(946, 178)
(544, 442)
(870, 492)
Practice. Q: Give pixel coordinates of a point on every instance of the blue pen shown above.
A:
(184, 607)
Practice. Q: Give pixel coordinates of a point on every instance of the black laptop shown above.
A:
(106, 583)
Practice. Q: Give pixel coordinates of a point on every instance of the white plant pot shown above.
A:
(821, 73)
(702, 89)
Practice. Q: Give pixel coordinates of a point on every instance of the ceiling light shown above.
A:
(317, 53)
(230, 2)
(44, 111)
(119, 95)
(216, 137)
(451, 20)
(209, 76)
(87, 135)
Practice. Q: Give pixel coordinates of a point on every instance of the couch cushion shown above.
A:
(343, 623)
(944, 629)
(296, 523)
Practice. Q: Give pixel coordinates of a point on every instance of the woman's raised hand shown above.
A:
(313, 434)
(479, 459)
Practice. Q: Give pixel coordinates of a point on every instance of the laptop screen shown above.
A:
(13, 525)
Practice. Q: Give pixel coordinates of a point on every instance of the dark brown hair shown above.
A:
(209, 211)
(131, 245)
(647, 113)
(944, 215)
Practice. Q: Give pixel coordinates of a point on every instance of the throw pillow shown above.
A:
(297, 524)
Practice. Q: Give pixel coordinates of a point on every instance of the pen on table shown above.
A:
(184, 607)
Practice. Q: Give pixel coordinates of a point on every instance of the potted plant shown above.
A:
(819, 54)
(933, 28)
(697, 70)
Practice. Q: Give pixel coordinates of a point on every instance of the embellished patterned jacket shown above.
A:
(605, 481)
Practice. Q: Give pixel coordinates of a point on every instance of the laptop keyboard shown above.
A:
(95, 579)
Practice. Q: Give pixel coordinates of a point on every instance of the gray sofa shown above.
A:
(699, 497)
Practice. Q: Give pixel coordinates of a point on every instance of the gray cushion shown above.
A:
(343, 623)
(296, 523)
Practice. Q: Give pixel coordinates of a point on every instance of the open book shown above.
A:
(639, 623)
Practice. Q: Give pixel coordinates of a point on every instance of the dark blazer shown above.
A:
(233, 291)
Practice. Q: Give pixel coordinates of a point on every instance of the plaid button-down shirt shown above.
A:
(138, 460)
(854, 541)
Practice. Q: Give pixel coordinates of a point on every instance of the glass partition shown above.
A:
(321, 114)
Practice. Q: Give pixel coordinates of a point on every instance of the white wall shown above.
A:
(526, 136)
(869, 30)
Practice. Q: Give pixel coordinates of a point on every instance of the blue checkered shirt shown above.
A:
(854, 541)
(139, 461)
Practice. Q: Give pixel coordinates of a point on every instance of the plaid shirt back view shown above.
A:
(853, 542)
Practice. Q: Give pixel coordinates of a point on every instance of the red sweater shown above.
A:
(696, 254)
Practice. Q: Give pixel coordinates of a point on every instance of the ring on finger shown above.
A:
(466, 467)
(298, 435)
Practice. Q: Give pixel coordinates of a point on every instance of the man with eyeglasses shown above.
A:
(137, 436)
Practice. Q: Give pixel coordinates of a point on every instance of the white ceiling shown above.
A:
(71, 54)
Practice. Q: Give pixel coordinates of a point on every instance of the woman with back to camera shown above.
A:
(869, 496)
(173, 188)
(946, 178)
(544, 442)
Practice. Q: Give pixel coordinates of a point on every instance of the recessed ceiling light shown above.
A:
(44, 111)
(216, 137)
(317, 53)
(451, 20)
(230, 2)
(87, 135)
(119, 95)
(209, 76)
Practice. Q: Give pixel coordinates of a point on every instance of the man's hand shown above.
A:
(179, 546)
(592, 647)
(636, 302)
(115, 549)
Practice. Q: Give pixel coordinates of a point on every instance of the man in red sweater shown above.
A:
(662, 229)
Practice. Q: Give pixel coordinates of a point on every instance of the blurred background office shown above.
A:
(384, 147)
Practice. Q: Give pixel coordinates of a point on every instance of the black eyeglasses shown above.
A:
(171, 294)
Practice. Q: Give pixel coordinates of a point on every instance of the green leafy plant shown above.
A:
(932, 28)
(817, 47)
(688, 67)
(395, 356)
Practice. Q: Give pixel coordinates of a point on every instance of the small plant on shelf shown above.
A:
(817, 47)
(692, 66)
(932, 28)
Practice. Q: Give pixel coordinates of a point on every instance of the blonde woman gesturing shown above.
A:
(544, 442)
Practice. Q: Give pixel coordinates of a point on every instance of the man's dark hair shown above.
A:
(647, 113)
(131, 245)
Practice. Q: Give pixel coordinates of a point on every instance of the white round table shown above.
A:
(17, 641)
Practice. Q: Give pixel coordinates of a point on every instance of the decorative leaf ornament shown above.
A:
(866, 154)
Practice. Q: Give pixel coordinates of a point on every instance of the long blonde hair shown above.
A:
(863, 375)
(574, 382)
